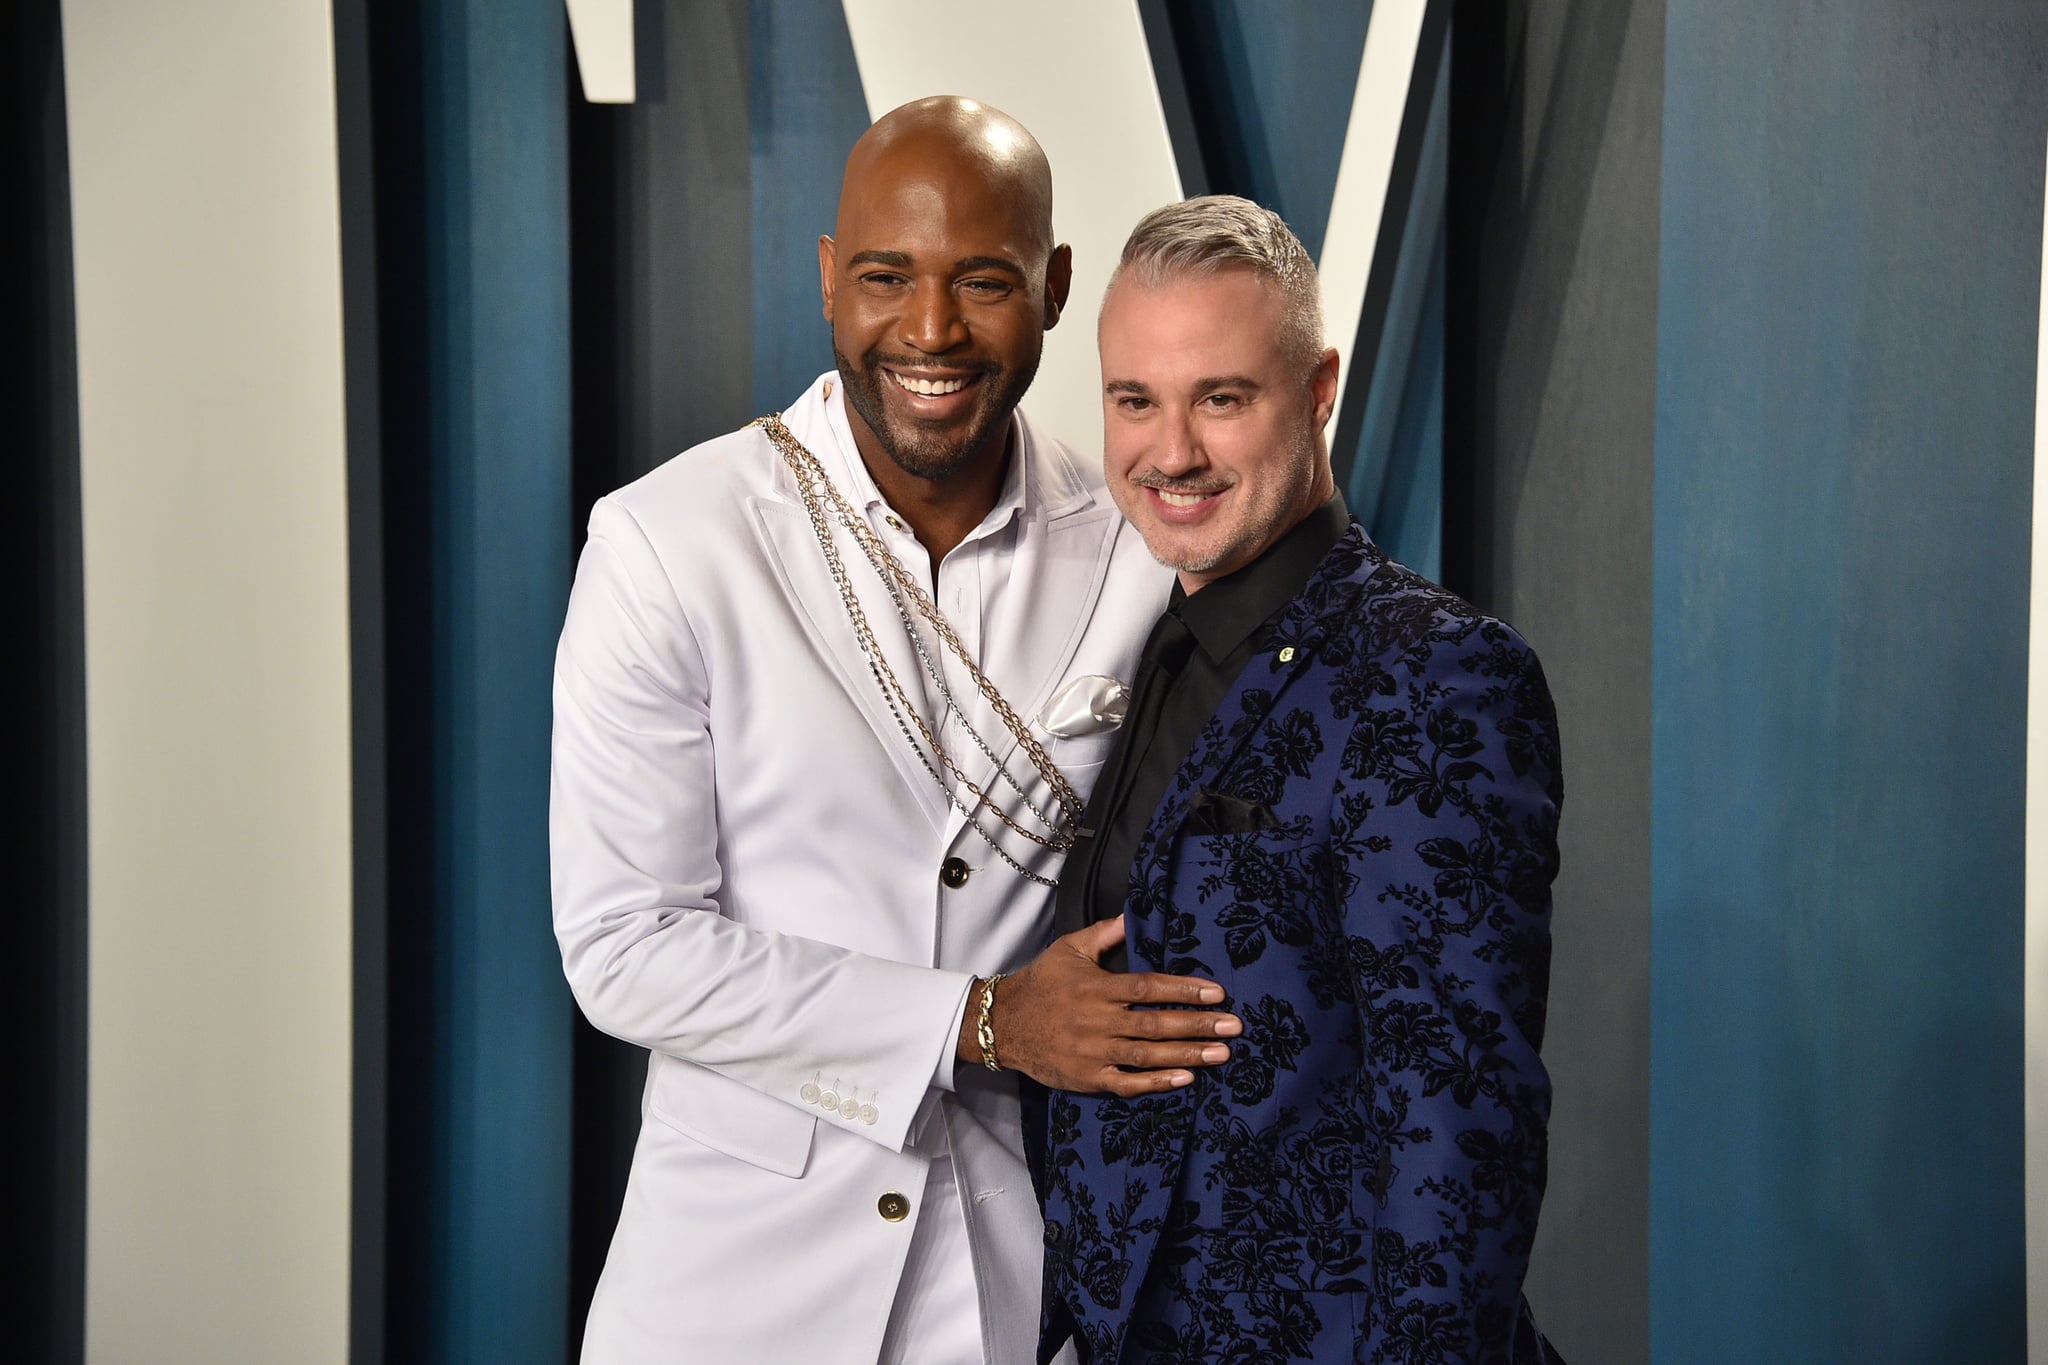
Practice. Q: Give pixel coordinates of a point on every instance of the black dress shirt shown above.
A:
(1190, 661)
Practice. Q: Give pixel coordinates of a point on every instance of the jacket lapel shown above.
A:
(1309, 622)
(1312, 619)
(791, 543)
(1063, 552)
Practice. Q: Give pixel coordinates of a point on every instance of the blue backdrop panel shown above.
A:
(1270, 87)
(1269, 83)
(498, 323)
(807, 109)
(1849, 264)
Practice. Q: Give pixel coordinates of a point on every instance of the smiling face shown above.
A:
(1212, 435)
(940, 283)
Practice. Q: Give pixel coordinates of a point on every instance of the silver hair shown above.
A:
(1224, 232)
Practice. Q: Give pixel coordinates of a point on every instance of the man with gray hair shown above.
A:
(1336, 796)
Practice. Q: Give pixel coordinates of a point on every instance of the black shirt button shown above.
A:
(952, 874)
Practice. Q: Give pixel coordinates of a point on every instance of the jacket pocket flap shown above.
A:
(732, 1118)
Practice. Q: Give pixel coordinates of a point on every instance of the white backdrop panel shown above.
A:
(208, 295)
(1078, 75)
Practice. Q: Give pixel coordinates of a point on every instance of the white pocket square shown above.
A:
(1087, 705)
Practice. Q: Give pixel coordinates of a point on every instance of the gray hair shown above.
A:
(1223, 232)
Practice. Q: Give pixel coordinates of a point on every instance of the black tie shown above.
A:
(1166, 653)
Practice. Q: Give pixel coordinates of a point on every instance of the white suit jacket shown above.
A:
(746, 866)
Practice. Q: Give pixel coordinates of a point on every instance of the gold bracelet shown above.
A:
(984, 1024)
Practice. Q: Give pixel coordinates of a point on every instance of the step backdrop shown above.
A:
(1700, 338)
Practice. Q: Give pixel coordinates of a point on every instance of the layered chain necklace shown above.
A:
(824, 504)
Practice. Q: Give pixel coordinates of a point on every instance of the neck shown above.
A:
(940, 511)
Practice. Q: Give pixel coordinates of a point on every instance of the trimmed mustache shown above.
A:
(1190, 487)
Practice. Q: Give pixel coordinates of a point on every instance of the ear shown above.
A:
(1323, 384)
(1059, 278)
(828, 271)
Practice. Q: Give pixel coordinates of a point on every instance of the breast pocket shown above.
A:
(1080, 758)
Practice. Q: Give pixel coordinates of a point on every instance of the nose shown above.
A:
(1176, 451)
(932, 323)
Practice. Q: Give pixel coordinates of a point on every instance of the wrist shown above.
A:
(967, 1045)
(984, 1021)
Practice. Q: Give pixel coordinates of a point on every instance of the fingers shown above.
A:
(1093, 940)
(1169, 1024)
(1141, 988)
(1153, 1068)
(1155, 988)
(1136, 1056)
(1131, 1084)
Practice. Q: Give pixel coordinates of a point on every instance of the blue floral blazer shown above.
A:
(1359, 848)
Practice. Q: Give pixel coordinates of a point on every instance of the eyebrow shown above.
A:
(1226, 381)
(900, 260)
(989, 263)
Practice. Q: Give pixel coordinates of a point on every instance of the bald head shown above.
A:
(957, 146)
(940, 280)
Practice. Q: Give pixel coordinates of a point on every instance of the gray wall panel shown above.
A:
(1560, 545)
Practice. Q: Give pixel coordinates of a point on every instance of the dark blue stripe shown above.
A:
(807, 109)
(43, 1007)
(498, 325)
(1270, 87)
(1850, 260)
(1269, 83)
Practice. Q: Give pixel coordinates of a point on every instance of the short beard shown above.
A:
(923, 454)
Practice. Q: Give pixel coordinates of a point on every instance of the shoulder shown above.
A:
(692, 509)
(1401, 614)
(1398, 641)
(697, 488)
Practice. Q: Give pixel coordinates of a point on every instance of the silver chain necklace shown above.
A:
(823, 503)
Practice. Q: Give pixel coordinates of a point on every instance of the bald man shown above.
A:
(829, 697)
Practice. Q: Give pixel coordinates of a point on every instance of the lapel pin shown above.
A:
(1287, 654)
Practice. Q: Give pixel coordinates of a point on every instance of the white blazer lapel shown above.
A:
(1065, 559)
(791, 544)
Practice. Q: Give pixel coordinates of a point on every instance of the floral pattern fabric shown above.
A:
(1360, 1182)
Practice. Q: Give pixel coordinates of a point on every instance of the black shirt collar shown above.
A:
(1223, 615)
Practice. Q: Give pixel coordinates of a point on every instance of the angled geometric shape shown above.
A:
(602, 31)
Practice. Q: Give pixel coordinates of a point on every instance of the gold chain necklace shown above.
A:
(824, 503)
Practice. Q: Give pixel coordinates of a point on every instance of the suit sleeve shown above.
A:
(636, 875)
(1450, 930)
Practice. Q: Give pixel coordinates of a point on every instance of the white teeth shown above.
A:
(930, 388)
(1180, 499)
